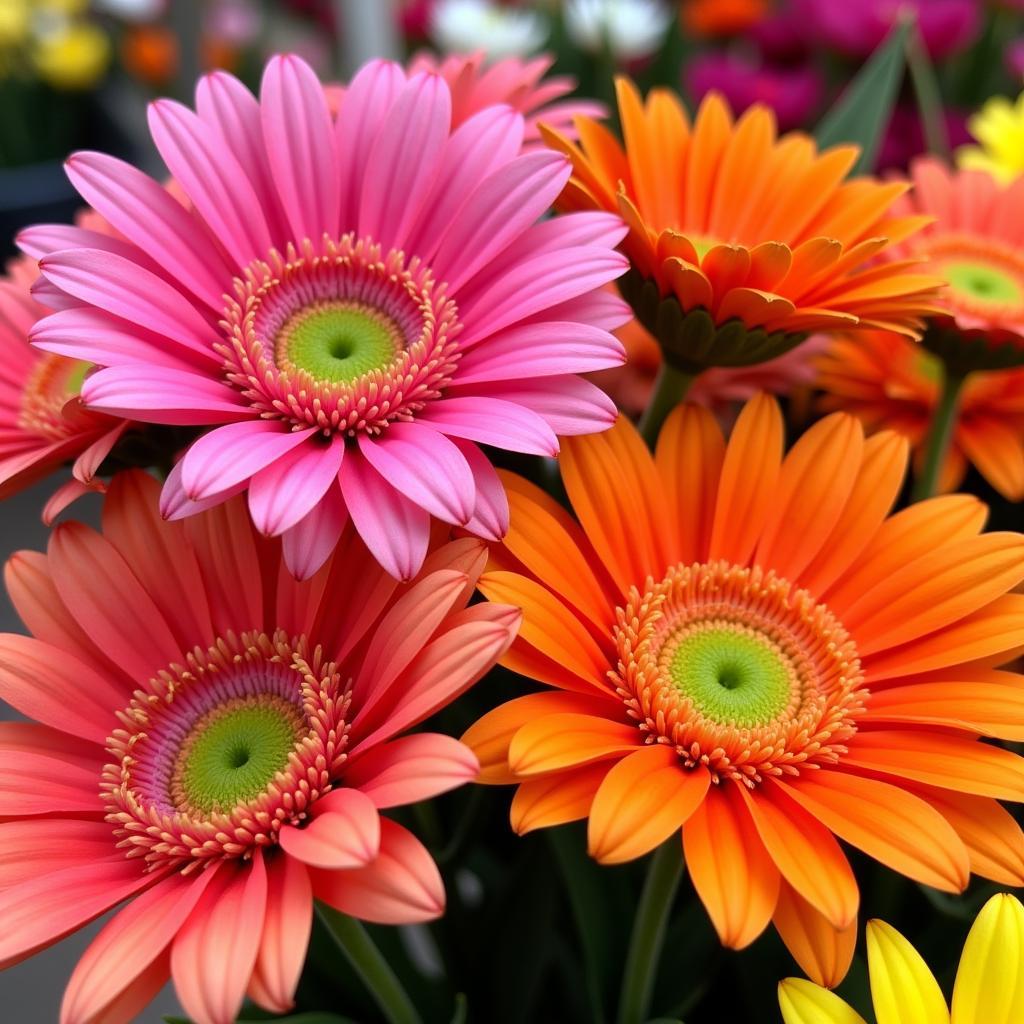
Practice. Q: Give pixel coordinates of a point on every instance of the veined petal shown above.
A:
(989, 984)
(903, 989)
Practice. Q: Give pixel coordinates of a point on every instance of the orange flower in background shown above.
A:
(723, 17)
(750, 648)
(735, 224)
(973, 241)
(889, 382)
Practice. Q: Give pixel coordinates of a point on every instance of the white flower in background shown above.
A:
(131, 10)
(630, 29)
(466, 26)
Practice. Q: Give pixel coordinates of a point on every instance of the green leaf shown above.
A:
(862, 112)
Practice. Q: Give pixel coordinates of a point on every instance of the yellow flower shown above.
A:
(14, 22)
(73, 59)
(999, 127)
(989, 987)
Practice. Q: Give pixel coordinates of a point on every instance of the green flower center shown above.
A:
(338, 341)
(732, 675)
(234, 752)
(983, 283)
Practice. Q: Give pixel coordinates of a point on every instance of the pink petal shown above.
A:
(587, 228)
(231, 454)
(28, 465)
(497, 212)
(412, 768)
(343, 833)
(490, 516)
(146, 214)
(308, 544)
(402, 886)
(42, 240)
(300, 146)
(569, 405)
(202, 162)
(603, 309)
(55, 688)
(41, 911)
(288, 489)
(425, 466)
(214, 953)
(88, 463)
(47, 294)
(35, 847)
(129, 944)
(394, 529)
(72, 773)
(127, 1007)
(128, 290)
(492, 421)
(176, 504)
(285, 939)
(66, 495)
(404, 161)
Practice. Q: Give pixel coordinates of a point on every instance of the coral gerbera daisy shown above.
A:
(749, 648)
(742, 242)
(42, 421)
(520, 83)
(890, 382)
(974, 243)
(353, 304)
(989, 988)
(999, 129)
(216, 740)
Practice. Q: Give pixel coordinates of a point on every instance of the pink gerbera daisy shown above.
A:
(42, 421)
(216, 740)
(354, 303)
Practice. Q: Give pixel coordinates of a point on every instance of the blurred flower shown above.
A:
(888, 382)
(465, 26)
(627, 29)
(741, 242)
(236, 22)
(131, 10)
(15, 22)
(723, 17)
(75, 57)
(989, 987)
(521, 84)
(217, 741)
(42, 422)
(746, 646)
(781, 37)
(1013, 59)
(338, 377)
(904, 136)
(793, 92)
(150, 53)
(999, 127)
(856, 29)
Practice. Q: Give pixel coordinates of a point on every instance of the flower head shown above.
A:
(464, 26)
(42, 421)
(628, 29)
(988, 989)
(723, 17)
(217, 740)
(741, 242)
(749, 648)
(889, 382)
(999, 130)
(350, 320)
(973, 241)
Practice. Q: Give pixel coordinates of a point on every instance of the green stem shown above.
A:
(368, 962)
(926, 90)
(663, 877)
(940, 434)
(670, 388)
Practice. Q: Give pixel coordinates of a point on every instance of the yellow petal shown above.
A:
(903, 990)
(803, 1002)
(989, 985)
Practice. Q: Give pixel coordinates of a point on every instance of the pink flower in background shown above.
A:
(793, 92)
(42, 421)
(904, 137)
(519, 83)
(1013, 59)
(856, 28)
(352, 304)
(217, 740)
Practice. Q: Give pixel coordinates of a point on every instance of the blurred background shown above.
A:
(78, 74)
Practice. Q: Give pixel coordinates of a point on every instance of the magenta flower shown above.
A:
(353, 304)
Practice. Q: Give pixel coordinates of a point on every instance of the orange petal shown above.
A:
(711, 131)
(823, 951)
(887, 823)
(816, 480)
(735, 878)
(754, 307)
(726, 267)
(806, 854)
(556, 742)
(746, 489)
(642, 801)
(556, 799)
(769, 265)
(641, 149)
(489, 737)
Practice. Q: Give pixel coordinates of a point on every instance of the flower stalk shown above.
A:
(940, 434)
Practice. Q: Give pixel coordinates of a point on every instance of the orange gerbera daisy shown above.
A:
(741, 242)
(887, 381)
(748, 647)
(974, 242)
